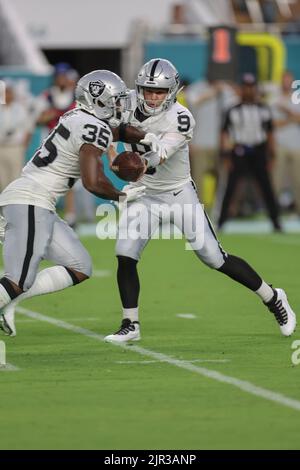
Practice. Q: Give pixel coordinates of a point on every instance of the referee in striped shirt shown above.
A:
(248, 125)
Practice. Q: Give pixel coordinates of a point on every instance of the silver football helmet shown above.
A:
(102, 93)
(157, 73)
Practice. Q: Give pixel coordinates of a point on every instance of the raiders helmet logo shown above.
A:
(96, 88)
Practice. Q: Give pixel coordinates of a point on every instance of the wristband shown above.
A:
(122, 132)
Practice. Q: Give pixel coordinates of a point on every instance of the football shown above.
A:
(128, 166)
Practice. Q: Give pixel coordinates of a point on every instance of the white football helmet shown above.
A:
(157, 73)
(102, 93)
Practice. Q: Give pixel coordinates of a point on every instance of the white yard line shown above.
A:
(188, 316)
(8, 368)
(208, 373)
(101, 273)
(180, 360)
(33, 320)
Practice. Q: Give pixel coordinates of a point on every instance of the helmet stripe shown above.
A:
(153, 70)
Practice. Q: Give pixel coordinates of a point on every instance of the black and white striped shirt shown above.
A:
(248, 123)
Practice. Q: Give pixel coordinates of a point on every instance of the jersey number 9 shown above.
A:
(184, 123)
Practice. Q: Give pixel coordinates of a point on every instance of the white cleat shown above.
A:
(7, 323)
(283, 313)
(129, 331)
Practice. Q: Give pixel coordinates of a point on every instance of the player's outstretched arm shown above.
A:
(92, 174)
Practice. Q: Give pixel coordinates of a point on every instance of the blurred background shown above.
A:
(45, 47)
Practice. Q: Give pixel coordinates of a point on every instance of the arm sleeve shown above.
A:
(226, 121)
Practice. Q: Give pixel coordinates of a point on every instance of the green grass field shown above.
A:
(75, 392)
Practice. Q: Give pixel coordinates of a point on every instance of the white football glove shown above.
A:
(156, 145)
(2, 228)
(132, 194)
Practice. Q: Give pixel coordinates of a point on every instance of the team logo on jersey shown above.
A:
(96, 88)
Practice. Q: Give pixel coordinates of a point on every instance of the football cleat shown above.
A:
(7, 321)
(129, 331)
(282, 311)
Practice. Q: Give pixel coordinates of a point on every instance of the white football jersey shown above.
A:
(54, 168)
(175, 128)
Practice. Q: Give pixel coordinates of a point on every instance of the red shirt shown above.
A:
(59, 112)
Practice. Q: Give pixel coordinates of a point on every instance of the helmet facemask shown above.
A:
(112, 109)
(154, 111)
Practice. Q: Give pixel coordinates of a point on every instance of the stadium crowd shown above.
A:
(211, 162)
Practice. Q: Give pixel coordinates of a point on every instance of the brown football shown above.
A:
(128, 166)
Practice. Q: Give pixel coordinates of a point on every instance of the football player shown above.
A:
(168, 181)
(33, 229)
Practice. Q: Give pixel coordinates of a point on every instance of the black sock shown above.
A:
(128, 281)
(6, 283)
(240, 271)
